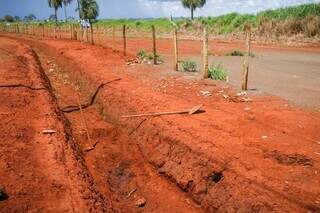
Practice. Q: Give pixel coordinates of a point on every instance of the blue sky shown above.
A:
(146, 8)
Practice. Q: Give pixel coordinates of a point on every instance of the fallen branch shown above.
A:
(135, 129)
(192, 111)
(21, 85)
(91, 101)
(131, 192)
(91, 148)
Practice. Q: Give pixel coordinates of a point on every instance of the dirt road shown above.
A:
(291, 73)
(245, 153)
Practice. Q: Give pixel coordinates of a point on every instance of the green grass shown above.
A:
(218, 72)
(188, 65)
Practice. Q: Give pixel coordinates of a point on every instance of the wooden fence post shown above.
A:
(175, 49)
(246, 58)
(124, 41)
(113, 36)
(43, 35)
(154, 45)
(205, 53)
(91, 31)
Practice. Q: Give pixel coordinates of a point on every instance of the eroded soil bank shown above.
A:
(39, 172)
(261, 155)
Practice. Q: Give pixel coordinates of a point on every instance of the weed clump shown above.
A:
(238, 53)
(143, 55)
(218, 72)
(189, 66)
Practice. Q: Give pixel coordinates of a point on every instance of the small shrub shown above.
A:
(189, 66)
(142, 54)
(235, 53)
(218, 72)
(138, 23)
(239, 53)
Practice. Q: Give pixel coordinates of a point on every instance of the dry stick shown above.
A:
(124, 41)
(175, 49)
(205, 53)
(154, 45)
(135, 129)
(21, 85)
(69, 109)
(190, 112)
(246, 59)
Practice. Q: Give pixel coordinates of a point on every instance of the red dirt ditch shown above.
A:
(260, 155)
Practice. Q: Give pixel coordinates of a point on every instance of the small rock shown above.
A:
(247, 109)
(141, 202)
(3, 194)
(264, 137)
(241, 93)
(225, 96)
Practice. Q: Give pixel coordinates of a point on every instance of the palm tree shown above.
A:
(78, 8)
(55, 4)
(65, 4)
(193, 5)
(89, 11)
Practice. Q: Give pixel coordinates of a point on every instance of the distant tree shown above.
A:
(17, 18)
(52, 17)
(30, 17)
(89, 11)
(8, 18)
(55, 4)
(65, 4)
(193, 5)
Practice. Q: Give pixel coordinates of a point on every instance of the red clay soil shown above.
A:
(260, 155)
(119, 170)
(39, 173)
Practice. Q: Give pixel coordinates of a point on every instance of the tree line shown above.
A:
(89, 9)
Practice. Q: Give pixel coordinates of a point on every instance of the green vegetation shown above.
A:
(302, 18)
(218, 72)
(238, 53)
(8, 18)
(189, 65)
(144, 55)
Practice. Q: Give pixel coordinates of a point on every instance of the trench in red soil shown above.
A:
(228, 177)
(114, 159)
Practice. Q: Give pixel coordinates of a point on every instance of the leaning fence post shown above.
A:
(124, 41)
(205, 53)
(154, 45)
(175, 49)
(246, 58)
